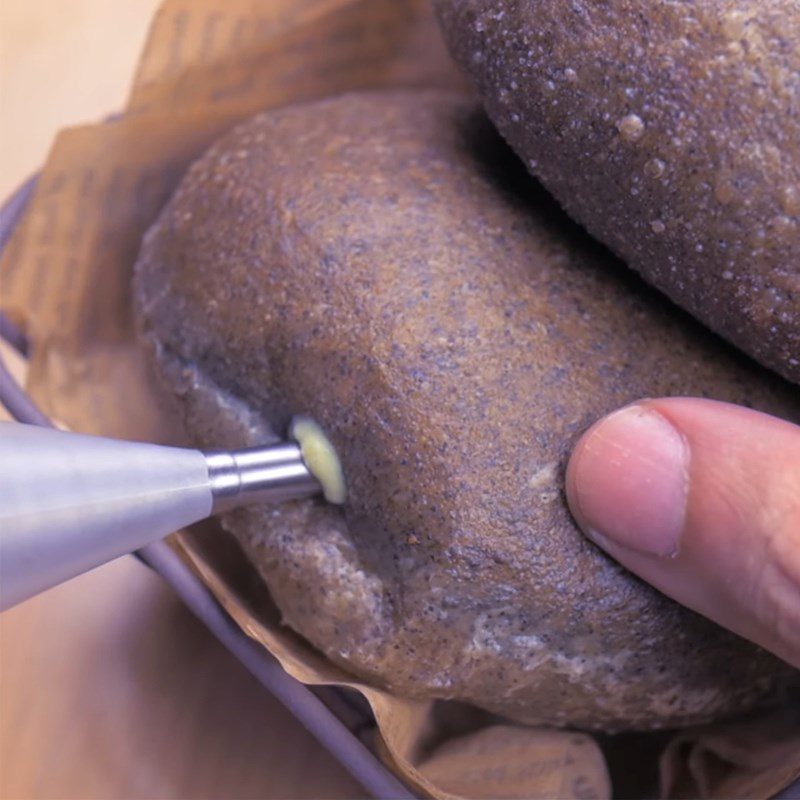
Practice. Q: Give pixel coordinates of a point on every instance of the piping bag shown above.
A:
(70, 502)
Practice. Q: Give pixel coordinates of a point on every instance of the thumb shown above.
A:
(702, 500)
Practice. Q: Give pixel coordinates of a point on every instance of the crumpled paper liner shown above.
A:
(699, 763)
(65, 278)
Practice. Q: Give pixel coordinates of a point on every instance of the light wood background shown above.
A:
(109, 688)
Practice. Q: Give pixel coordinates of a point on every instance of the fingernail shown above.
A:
(628, 482)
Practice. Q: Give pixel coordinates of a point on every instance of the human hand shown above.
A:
(702, 500)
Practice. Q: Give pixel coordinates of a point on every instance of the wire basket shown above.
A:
(338, 719)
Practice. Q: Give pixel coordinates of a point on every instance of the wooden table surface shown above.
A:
(109, 688)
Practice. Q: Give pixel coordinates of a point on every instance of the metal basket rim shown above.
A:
(305, 706)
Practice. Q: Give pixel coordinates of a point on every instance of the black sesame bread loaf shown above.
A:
(381, 262)
(671, 131)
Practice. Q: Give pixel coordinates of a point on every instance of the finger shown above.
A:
(702, 500)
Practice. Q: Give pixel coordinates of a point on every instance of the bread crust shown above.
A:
(670, 131)
(381, 263)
